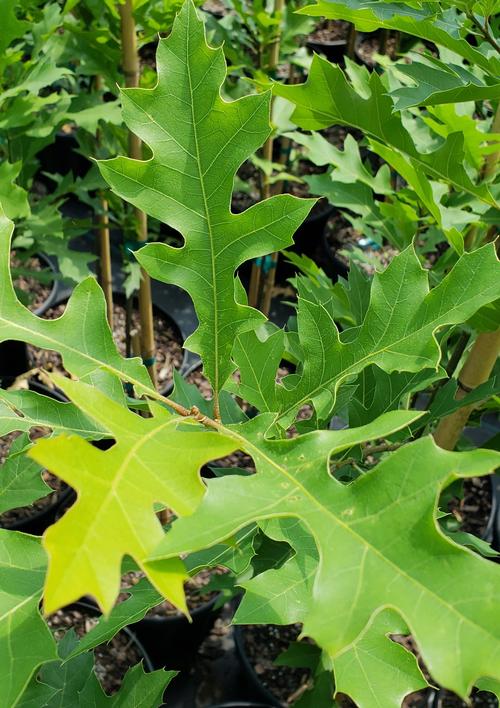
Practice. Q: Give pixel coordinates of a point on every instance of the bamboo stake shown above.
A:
(488, 170)
(483, 355)
(131, 70)
(105, 272)
(256, 276)
(475, 371)
(105, 268)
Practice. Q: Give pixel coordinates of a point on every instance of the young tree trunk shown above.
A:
(476, 370)
(105, 269)
(131, 69)
(258, 275)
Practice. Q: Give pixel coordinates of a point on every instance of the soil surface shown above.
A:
(35, 291)
(263, 644)
(12, 516)
(112, 660)
(479, 699)
(330, 31)
(473, 510)
(196, 595)
(168, 343)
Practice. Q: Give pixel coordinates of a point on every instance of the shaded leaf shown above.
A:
(25, 639)
(327, 98)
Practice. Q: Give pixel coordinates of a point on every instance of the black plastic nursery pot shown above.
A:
(14, 359)
(253, 684)
(334, 50)
(61, 157)
(172, 641)
(242, 704)
(88, 608)
(37, 522)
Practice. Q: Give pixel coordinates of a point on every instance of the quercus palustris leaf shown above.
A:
(25, 640)
(328, 98)
(388, 549)
(21, 410)
(429, 21)
(375, 671)
(21, 481)
(151, 461)
(437, 83)
(397, 332)
(198, 141)
(82, 335)
(73, 683)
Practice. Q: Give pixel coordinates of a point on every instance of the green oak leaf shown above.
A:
(358, 197)
(349, 167)
(21, 482)
(378, 391)
(143, 596)
(117, 489)
(281, 595)
(397, 332)
(375, 671)
(327, 98)
(72, 683)
(21, 410)
(424, 20)
(441, 83)
(13, 198)
(388, 549)
(198, 141)
(12, 28)
(25, 640)
(82, 335)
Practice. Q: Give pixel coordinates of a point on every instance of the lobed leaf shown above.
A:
(327, 98)
(388, 551)
(397, 332)
(25, 640)
(117, 489)
(198, 140)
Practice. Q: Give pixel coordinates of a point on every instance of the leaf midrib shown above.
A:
(352, 369)
(257, 452)
(415, 157)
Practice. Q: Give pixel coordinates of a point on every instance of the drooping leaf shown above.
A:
(441, 83)
(82, 335)
(349, 167)
(375, 671)
(198, 141)
(425, 20)
(143, 596)
(396, 334)
(327, 98)
(72, 683)
(25, 639)
(151, 461)
(388, 551)
(378, 391)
